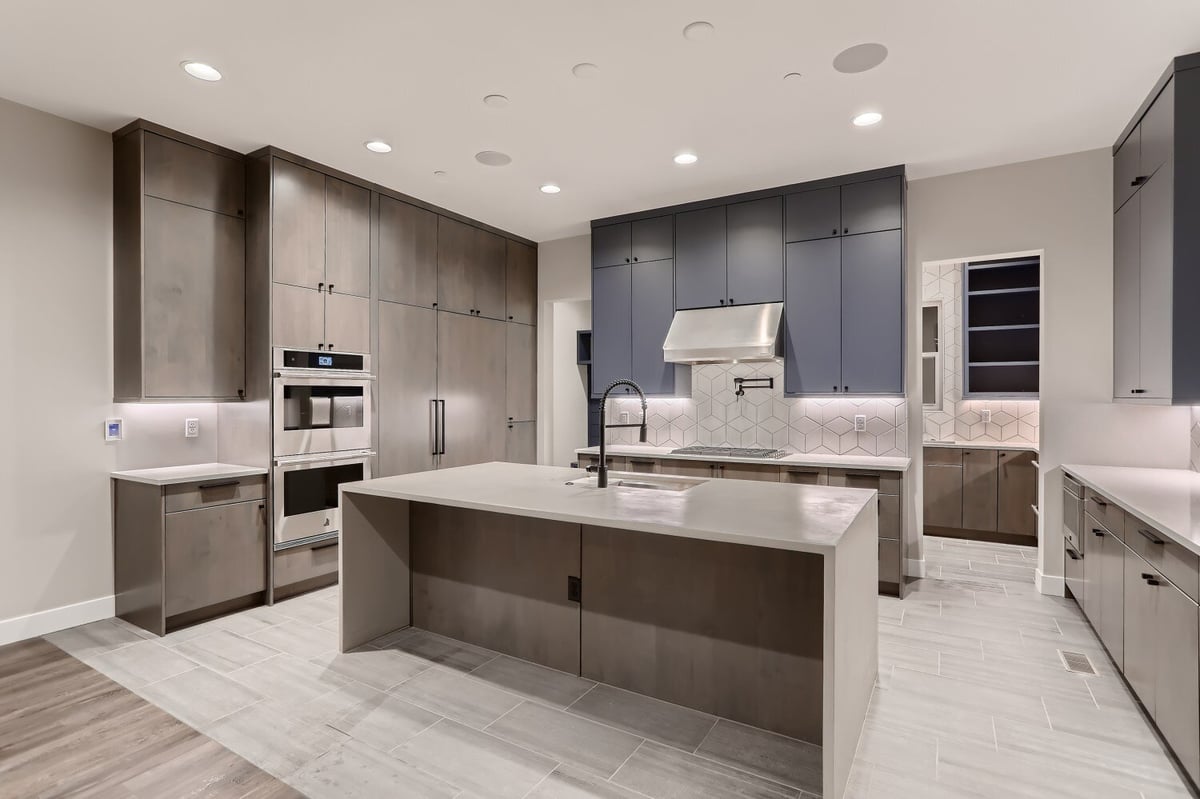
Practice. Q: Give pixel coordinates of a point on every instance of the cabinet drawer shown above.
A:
(750, 471)
(804, 475)
(943, 456)
(218, 491)
(643, 465)
(1175, 562)
(688, 468)
(212, 555)
(305, 563)
(889, 516)
(883, 482)
(889, 563)
(1105, 512)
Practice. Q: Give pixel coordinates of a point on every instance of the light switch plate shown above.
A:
(191, 428)
(986, 413)
(860, 423)
(114, 429)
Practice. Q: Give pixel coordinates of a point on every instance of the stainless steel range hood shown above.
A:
(725, 335)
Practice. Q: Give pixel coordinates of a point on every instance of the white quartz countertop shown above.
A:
(983, 445)
(1166, 499)
(172, 475)
(881, 462)
(776, 515)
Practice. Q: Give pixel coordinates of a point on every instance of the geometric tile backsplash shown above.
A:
(959, 419)
(715, 416)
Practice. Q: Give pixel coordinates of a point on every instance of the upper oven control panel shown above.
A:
(320, 361)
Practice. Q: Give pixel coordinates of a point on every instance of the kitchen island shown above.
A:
(747, 600)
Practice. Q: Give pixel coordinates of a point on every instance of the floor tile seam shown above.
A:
(557, 763)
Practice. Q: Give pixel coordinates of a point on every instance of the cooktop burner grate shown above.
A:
(730, 452)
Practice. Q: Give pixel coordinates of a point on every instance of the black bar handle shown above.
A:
(433, 403)
(1151, 537)
(1098, 533)
(1073, 554)
(222, 484)
(1139, 180)
(1099, 502)
(443, 449)
(1137, 391)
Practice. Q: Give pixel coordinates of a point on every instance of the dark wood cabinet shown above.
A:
(700, 258)
(471, 380)
(755, 251)
(183, 173)
(520, 283)
(471, 270)
(521, 443)
(406, 369)
(1016, 488)
(981, 492)
(979, 489)
(521, 374)
(297, 225)
(347, 238)
(408, 250)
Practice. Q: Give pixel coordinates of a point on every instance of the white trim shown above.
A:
(1050, 584)
(914, 567)
(55, 619)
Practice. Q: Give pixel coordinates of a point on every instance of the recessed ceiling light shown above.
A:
(699, 31)
(686, 158)
(550, 188)
(792, 76)
(496, 101)
(860, 58)
(868, 118)
(377, 146)
(585, 69)
(200, 70)
(493, 158)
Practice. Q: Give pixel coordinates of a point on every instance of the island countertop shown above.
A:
(780, 516)
(886, 463)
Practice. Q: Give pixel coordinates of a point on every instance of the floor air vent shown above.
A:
(1076, 662)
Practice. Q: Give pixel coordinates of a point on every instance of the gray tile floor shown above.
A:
(973, 701)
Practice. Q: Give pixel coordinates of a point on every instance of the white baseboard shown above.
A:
(55, 619)
(914, 567)
(1050, 584)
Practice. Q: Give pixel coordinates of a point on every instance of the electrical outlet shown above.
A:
(860, 423)
(191, 428)
(987, 415)
(624, 417)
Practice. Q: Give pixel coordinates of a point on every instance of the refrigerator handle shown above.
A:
(433, 404)
(442, 451)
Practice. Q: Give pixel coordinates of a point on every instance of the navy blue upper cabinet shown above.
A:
(755, 251)
(633, 242)
(815, 214)
(873, 313)
(653, 308)
(611, 245)
(812, 318)
(700, 258)
(872, 206)
(612, 329)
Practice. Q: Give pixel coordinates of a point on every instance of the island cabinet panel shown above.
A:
(727, 629)
(497, 581)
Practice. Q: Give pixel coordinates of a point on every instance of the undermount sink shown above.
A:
(635, 480)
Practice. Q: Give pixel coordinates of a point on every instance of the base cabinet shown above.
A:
(981, 493)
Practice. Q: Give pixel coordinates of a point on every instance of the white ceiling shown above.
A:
(968, 83)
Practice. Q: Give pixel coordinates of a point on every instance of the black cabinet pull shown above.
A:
(222, 484)
(1072, 554)
(510, 318)
(635, 259)
(1100, 502)
(1153, 582)
(1098, 533)
(1149, 536)
(731, 300)
(320, 346)
(1137, 391)
(835, 231)
(329, 347)
(626, 260)
(835, 388)
(845, 388)
(722, 302)
(846, 230)
(1139, 180)
(330, 288)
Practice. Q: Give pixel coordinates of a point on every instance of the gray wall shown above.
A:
(1062, 206)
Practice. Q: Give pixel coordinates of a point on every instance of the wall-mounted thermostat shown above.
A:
(114, 429)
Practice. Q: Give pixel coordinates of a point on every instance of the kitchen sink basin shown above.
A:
(651, 482)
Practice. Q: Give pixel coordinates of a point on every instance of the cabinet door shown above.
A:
(943, 496)
(194, 302)
(872, 206)
(297, 317)
(653, 307)
(1176, 677)
(1156, 293)
(1127, 162)
(611, 245)
(213, 555)
(456, 274)
(1093, 565)
(755, 232)
(408, 250)
(1141, 628)
(653, 239)
(347, 323)
(193, 176)
(297, 225)
(872, 310)
(407, 386)
(520, 282)
(979, 489)
(812, 318)
(700, 258)
(612, 325)
(521, 442)
(471, 353)
(347, 238)
(814, 214)
(1017, 493)
(1127, 333)
(1112, 599)
(1158, 132)
(490, 267)
(521, 374)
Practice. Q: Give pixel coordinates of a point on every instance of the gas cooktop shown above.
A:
(730, 452)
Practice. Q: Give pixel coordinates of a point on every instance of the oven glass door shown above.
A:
(314, 415)
(306, 497)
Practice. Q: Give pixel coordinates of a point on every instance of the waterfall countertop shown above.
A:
(880, 462)
(775, 515)
(1166, 499)
(174, 475)
(957, 444)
